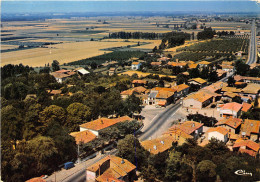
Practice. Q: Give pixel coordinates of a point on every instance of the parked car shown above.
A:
(68, 165)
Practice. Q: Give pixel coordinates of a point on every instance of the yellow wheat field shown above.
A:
(64, 53)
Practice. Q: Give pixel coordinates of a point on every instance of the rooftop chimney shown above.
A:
(252, 124)
(162, 142)
(122, 161)
(193, 124)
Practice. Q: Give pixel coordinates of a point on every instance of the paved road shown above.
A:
(155, 124)
(159, 121)
(252, 50)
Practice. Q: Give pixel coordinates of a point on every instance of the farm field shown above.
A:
(64, 53)
(141, 74)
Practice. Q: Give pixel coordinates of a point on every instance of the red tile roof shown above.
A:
(246, 107)
(135, 63)
(250, 126)
(158, 145)
(247, 143)
(233, 106)
(102, 123)
(180, 87)
(232, 122)
(83, 136)
(116, 170)
(219, 129)
(188, 127)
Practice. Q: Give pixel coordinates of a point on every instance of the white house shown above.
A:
(218, 133)
(136, 65)
(230, 110)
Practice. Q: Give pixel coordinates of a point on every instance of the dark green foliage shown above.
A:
(116, 55)
(207, 33)
(231, 81)
(55, 65)
(174, 39)
(11, 70)
(241, 68)
(207, 121)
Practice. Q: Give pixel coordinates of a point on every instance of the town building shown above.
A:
(198, 81)
(112, 71)
(198, 100)
(137, 90)
(99, 124)
(137, 83)
(246, 146)
(181, 90)
(160, 96)
(189, 127)
(136, 65)
(158, 145)
(83, 136)
(111, 168)
(233, 125)
(61, 75)
(230, 110)
(218, 133)
(250, 129)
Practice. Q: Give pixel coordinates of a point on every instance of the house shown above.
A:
(246, 146)
(221, 73)
(160, 96)
(189, 127)
(81, 71)
(247, 79)
(178, 135)
(136, 83)
(203, 64)
(158, 145)
(230, 110)
(136, 65)
(111, 168)
(233, 125)
(246, 107)
(83, 136)
(99, 124)
(198, 100)
(111, 71)
(218, 133)
(138, 90)
(198, 81)
(156, 63)
(229, 96)
(181, 90)
(60, 77)
(177, 64)
(193, 65)
(250, 129)
(230, 90)
(215, 87)
(163, 59)
(252, 89)
(52, 93)
(228, 68)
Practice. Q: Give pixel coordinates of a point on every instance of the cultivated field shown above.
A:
(64, 53)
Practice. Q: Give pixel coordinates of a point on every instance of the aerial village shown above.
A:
(221, 102)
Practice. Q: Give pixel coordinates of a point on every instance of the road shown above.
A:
(252, 50)
(150, 131)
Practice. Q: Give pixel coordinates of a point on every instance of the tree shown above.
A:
(11, 122)
(231, 81)
(55, 65)
(130, 148)
(77, 114)
(237, 99)
(53, 113)
(217, 147)
(213, 76)
(173, 166)
(181, 79)
(241, 68)
(206, 171)
(194, 73)
(93, 65)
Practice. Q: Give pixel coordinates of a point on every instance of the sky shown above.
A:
(63, 6)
